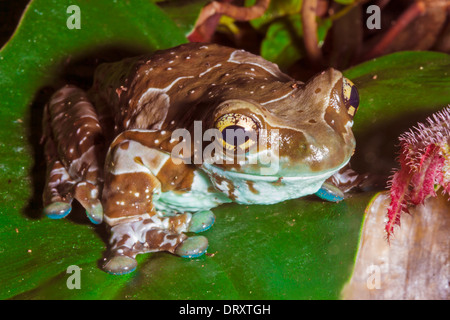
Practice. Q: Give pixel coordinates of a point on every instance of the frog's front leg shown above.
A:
(132, 183)
(73, 146)
(152, 234)
(343, 181)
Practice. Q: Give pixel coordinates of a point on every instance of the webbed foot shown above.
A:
(156, 234)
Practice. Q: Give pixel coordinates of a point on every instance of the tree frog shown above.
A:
(135, 150)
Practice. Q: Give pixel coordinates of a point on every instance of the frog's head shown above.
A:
(306, 133)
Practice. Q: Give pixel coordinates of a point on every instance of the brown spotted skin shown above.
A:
(109, 148)
(194, 79)
(74, 148)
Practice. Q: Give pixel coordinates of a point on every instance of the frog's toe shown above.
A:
(95, 213)
(201, 221)
(119, 265)
(330, 192)
(192, 247)
(57, 210)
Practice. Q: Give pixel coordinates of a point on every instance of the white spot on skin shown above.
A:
(246, 59)
(94, 193)
(87, 157)
(83, 140)
(152, 92)
(124, 160)
(277, 99)
(209, 69)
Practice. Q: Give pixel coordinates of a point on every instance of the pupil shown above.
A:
(354, 97)
(234, 135)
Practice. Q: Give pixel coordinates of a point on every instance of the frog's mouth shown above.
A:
(265, 189)
(234, 175)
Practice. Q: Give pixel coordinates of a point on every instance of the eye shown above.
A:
(351, 96)
(237, 131)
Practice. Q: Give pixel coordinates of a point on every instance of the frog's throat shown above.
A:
(254, 189)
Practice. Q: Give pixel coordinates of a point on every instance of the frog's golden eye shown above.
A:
(237, 131)
(351, 97)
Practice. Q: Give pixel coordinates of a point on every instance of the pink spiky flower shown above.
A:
(425, 166)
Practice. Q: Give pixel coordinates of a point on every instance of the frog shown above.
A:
(124, 150)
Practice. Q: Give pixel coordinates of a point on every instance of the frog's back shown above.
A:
(177, 85)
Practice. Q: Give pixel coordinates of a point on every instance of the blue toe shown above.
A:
(57, 210)
(202, 221)
(330, 195)
(192, 247)
(95, 214)
(120, 265)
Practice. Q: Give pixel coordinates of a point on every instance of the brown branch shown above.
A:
(310, 39)
(210, 14)
(409, 15)
(235, 12)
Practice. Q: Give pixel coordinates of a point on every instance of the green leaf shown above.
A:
(43, 29)
(302, 248)
(345, 2)
(282, 43)
(400, 83)
(183, 12)
(298, 249)
(31, 60)
(277, 9)
(397, 91)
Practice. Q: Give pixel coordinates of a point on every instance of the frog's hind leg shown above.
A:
(153, 234)
(57, 197)
(73, 148)
(134, 172)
